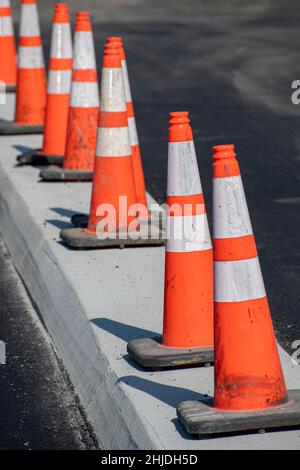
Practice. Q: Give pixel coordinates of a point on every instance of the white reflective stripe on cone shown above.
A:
(6, 26)
(112, 91)
(59, 82)
(30, 57)
(113, 142)
(84, 51)
(61, 42)
(183, 173)
(132, 131)
(188, 233)
(29, 23)
(4, 3)
(127, 90)
(84, 95)
(230, 211)
(236, 281)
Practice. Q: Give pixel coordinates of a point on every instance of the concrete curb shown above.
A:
(91, 303)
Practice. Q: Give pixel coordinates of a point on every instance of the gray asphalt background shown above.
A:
(231, 64)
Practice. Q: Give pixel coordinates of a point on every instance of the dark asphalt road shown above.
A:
(38, 408)
(231, 64)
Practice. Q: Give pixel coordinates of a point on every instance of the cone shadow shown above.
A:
(167, 394)
(63, 212)
(122, 330)
(59, 223)
(22, 148)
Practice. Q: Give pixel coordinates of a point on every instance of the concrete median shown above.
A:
(92, 303)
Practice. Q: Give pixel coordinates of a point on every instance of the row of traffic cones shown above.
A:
(114, 179)
(215, 304)
(102, 147)
(72, 124)
(72, 101)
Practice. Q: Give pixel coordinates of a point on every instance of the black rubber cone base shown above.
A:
(56, 173)
(80, 220)
(38, 158)
(79, 239)
(10, 88)
(12, 128)
(150, 353)
(202, 419)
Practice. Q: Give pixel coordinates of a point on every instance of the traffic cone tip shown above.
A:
(117, 41)
(179, 114)
(83, 22)
(224, 151)
(111, 57)
(61, 13)
(225, 162)
(180, 129)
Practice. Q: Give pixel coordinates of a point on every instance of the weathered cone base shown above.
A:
(150, 353)
(81, 220)
(79, 239)
(38, 158)
(55, 173)
(11, 128)
(203, 419)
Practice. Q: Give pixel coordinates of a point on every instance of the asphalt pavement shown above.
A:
(231, 64)
(39, 410)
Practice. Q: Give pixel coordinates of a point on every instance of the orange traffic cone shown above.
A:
(8, 58)
(58, 97)
(250, 391)
(188, 306)
(113, 213)
(31, 82)
(78, 163)
(139, 178)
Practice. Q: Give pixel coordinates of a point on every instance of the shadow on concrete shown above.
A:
(182, 432)
(135, 365)
(64, 212)
(59, 223)
(121, 330)
(169, 394)
(22, 148)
